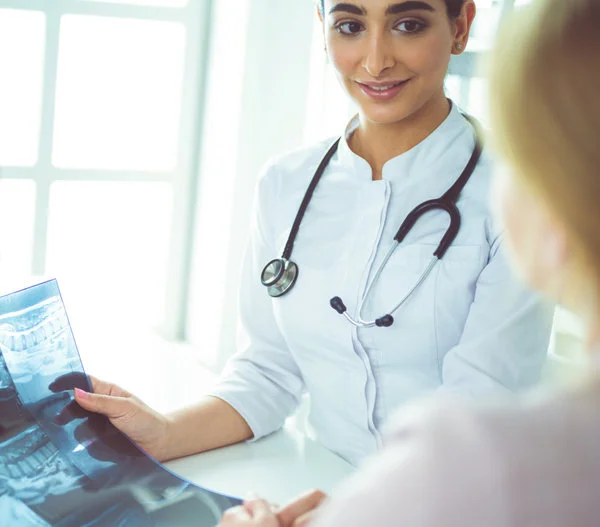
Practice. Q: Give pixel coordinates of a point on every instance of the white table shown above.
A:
(278, 467)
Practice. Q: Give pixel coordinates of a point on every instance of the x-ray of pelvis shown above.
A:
(61, 466)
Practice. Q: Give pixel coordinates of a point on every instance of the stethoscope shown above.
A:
(280, 274)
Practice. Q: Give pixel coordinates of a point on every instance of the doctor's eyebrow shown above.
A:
(392, 9)
(395, 9)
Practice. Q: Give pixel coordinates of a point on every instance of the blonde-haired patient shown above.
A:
(534, 462)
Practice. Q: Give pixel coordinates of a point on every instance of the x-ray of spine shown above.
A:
(59, 465)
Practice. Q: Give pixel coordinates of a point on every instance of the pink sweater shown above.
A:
(533, 463)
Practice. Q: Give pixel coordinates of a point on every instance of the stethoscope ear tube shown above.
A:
(337, 304)
(385, 321)
(382, 322)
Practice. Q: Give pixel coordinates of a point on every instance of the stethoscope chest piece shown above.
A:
(279, 276)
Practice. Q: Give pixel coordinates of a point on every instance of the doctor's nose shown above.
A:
(378, 57)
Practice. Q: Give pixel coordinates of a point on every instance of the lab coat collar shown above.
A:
(419, 160)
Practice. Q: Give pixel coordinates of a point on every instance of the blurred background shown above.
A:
(131, 136)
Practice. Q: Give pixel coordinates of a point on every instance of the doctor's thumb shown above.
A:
(107, 405)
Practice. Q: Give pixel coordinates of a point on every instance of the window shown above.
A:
(166, 3)
(99, 108)
(17, 207)
(20, 85)
(118, 100)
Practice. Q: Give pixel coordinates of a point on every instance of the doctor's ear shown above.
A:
(462, 26)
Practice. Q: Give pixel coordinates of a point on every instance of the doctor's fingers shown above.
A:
(114, 407)
(299, 507)
(103, 441)
(73, 410)
(108, 388)
(70, 381)
(80, 380)
(70, 412)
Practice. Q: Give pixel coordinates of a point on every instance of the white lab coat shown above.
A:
(471, 328)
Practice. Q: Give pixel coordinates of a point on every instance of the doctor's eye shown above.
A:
(410, 26)
(348, 28)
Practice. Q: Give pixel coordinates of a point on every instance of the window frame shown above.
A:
(196, 18)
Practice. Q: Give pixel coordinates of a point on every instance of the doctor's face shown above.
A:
(392, 57)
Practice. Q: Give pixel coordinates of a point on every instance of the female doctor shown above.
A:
(323, 273)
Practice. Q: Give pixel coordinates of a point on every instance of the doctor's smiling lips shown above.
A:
(382, 91)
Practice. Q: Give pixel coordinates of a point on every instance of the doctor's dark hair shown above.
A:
(453, 6)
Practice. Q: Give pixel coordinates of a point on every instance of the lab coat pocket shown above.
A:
(463, 253)
(456, 279)
(461, 265)
(456, 273)
(456, 285)
(409, 343)
(431, 316)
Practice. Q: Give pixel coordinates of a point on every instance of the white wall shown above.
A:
(258, 83)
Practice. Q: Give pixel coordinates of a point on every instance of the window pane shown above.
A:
(470, 94)
(17, 202)
(22, 35)
(478, 99)
(454, 89)
(108, 245)
(165, 3)
(118, 99)
(328, 107)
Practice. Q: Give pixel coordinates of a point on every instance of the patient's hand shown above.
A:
(301, 511)
(146, 427)
(253, 513)
(258, 513)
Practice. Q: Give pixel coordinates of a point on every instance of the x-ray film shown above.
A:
(59, 465)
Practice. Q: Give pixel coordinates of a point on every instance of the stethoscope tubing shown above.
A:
(279, 283)
(360, 322)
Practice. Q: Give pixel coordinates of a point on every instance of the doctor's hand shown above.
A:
(143, 425)
(253, 513)
(301, 511)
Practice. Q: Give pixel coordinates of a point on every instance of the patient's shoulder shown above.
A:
(436, 469)
(506, 423)
(501, 462)
(530, 462)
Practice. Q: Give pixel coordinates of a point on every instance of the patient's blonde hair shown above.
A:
(545, 108)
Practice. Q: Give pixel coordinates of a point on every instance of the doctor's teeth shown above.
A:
(383, 88)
